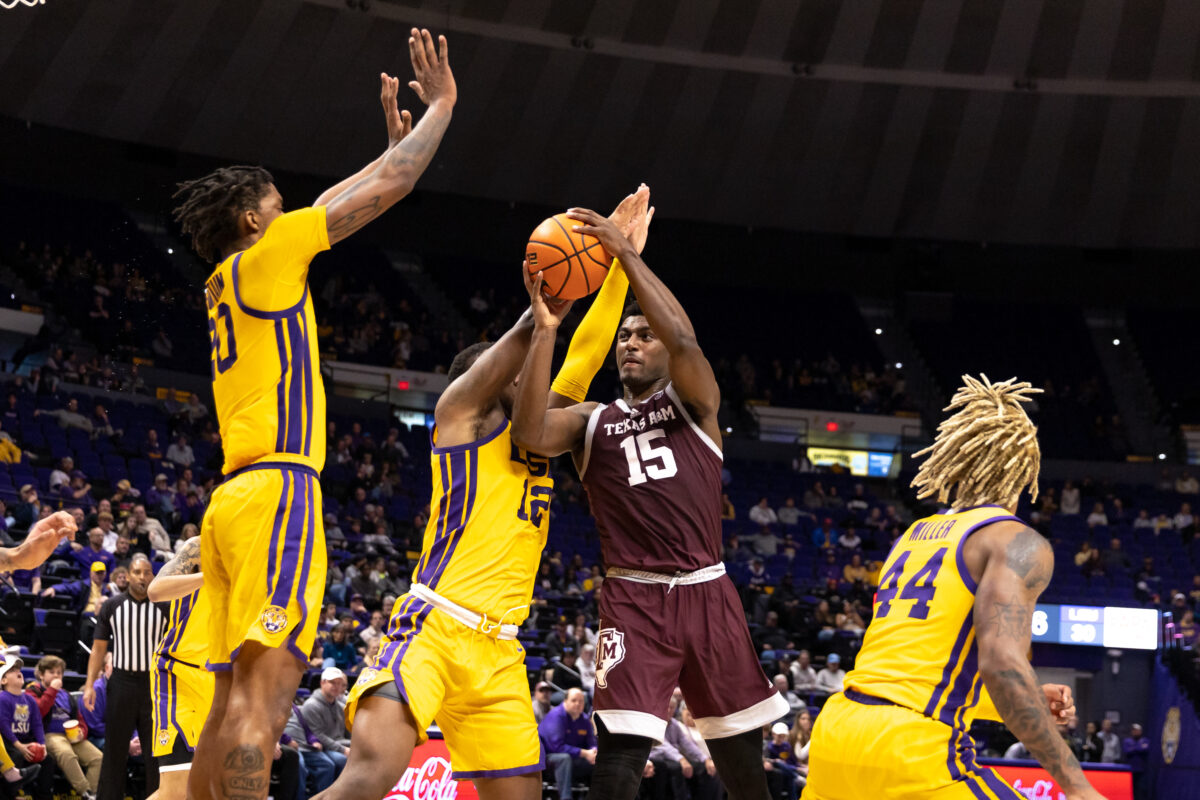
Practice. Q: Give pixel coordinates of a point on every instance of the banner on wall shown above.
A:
(1174, 730)
(428, 777)
(1034, 783)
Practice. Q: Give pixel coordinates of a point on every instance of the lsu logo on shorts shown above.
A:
(610, 651)
(164, 738)
(274, 619)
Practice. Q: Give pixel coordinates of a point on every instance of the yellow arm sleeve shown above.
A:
(593, 338)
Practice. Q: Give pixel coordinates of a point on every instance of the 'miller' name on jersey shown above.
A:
(639, 423)
(929, 532)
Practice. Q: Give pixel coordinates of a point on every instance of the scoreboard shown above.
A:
(1098, 626)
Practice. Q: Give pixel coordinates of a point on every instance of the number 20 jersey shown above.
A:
(920, 650)
(263, 336)
(653, 478)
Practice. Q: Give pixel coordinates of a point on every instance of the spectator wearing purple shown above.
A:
(21, 725)
(160, 498)
(1136, 748)
(679, 763)
(152, 448)
(79, 493)
(570, 742)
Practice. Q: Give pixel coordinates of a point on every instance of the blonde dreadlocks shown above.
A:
(987, 453)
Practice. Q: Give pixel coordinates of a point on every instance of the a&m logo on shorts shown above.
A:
(274, 619)
(1172, 729)
(164, 737)
(610, 651)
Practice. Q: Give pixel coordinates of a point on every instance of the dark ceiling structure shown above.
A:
(1031, 121)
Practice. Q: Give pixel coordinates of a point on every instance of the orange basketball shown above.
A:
(572, 265)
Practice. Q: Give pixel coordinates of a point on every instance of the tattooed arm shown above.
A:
(399, 168)
(1018, 566)
(180, 576)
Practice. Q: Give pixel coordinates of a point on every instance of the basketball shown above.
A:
(37, 752)
(573, 265)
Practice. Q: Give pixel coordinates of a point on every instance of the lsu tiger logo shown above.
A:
(164, 737)
(274, 619)
(21, 713)
(1171, 733)
(610, 651)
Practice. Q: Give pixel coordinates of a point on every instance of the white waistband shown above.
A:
(474, 621)
(678, 579)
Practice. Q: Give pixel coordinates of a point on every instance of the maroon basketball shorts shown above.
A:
(656, 635)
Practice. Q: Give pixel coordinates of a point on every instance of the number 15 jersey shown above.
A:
(263, 335)
(919, 650)
(654, 481)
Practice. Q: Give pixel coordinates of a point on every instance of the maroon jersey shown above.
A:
(654, 482)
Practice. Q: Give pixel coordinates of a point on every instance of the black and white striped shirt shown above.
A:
(132, 629)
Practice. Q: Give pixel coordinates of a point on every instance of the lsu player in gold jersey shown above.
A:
(450, 652)
(264, 552)
(951, 628)
(180, 685)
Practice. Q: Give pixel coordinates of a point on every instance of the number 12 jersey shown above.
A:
(920, 650)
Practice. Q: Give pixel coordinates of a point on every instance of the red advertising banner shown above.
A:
(428, 777)
(1034, 783)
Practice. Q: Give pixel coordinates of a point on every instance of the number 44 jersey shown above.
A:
(263, 337)
(653, 478)
(919, 650)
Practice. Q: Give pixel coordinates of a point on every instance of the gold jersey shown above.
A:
(266, 379)
(490, 511)
(919, 650)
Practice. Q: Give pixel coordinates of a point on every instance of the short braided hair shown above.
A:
(209, 206)
(987, 452)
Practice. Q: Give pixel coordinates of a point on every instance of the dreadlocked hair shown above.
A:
(209, 206)
(986, 453)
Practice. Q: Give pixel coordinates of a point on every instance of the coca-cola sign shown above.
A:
(430, 777)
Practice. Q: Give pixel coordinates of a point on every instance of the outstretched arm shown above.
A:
(180, 576)
(403, 164)
(399, 125)
(41, 541)
(546, 431)
(691, 374)
(1019, 565)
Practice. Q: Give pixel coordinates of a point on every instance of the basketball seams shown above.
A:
(573, 258)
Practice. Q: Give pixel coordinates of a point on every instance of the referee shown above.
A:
(134, 626)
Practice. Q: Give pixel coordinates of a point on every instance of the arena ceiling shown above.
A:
(1056, 121)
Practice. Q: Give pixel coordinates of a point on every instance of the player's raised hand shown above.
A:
(399, 123)
(42, 540)
(592, 224)
(630, 210)
(548, 312)
(435, 82)
(1061, 702)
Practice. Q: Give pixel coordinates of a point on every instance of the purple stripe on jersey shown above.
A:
(1002, 789)
(408, 625)
(291, 546)
(309, 533)
(281, 408)
(164, 690)
(502, 773)
(957, 698)
(254, 312)
(280, 513)
(180, 610)
(295, 433)
(472, 460)
(306, 360)
(456, 465)
(958, 551)
(955, 654)
(443, 503)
